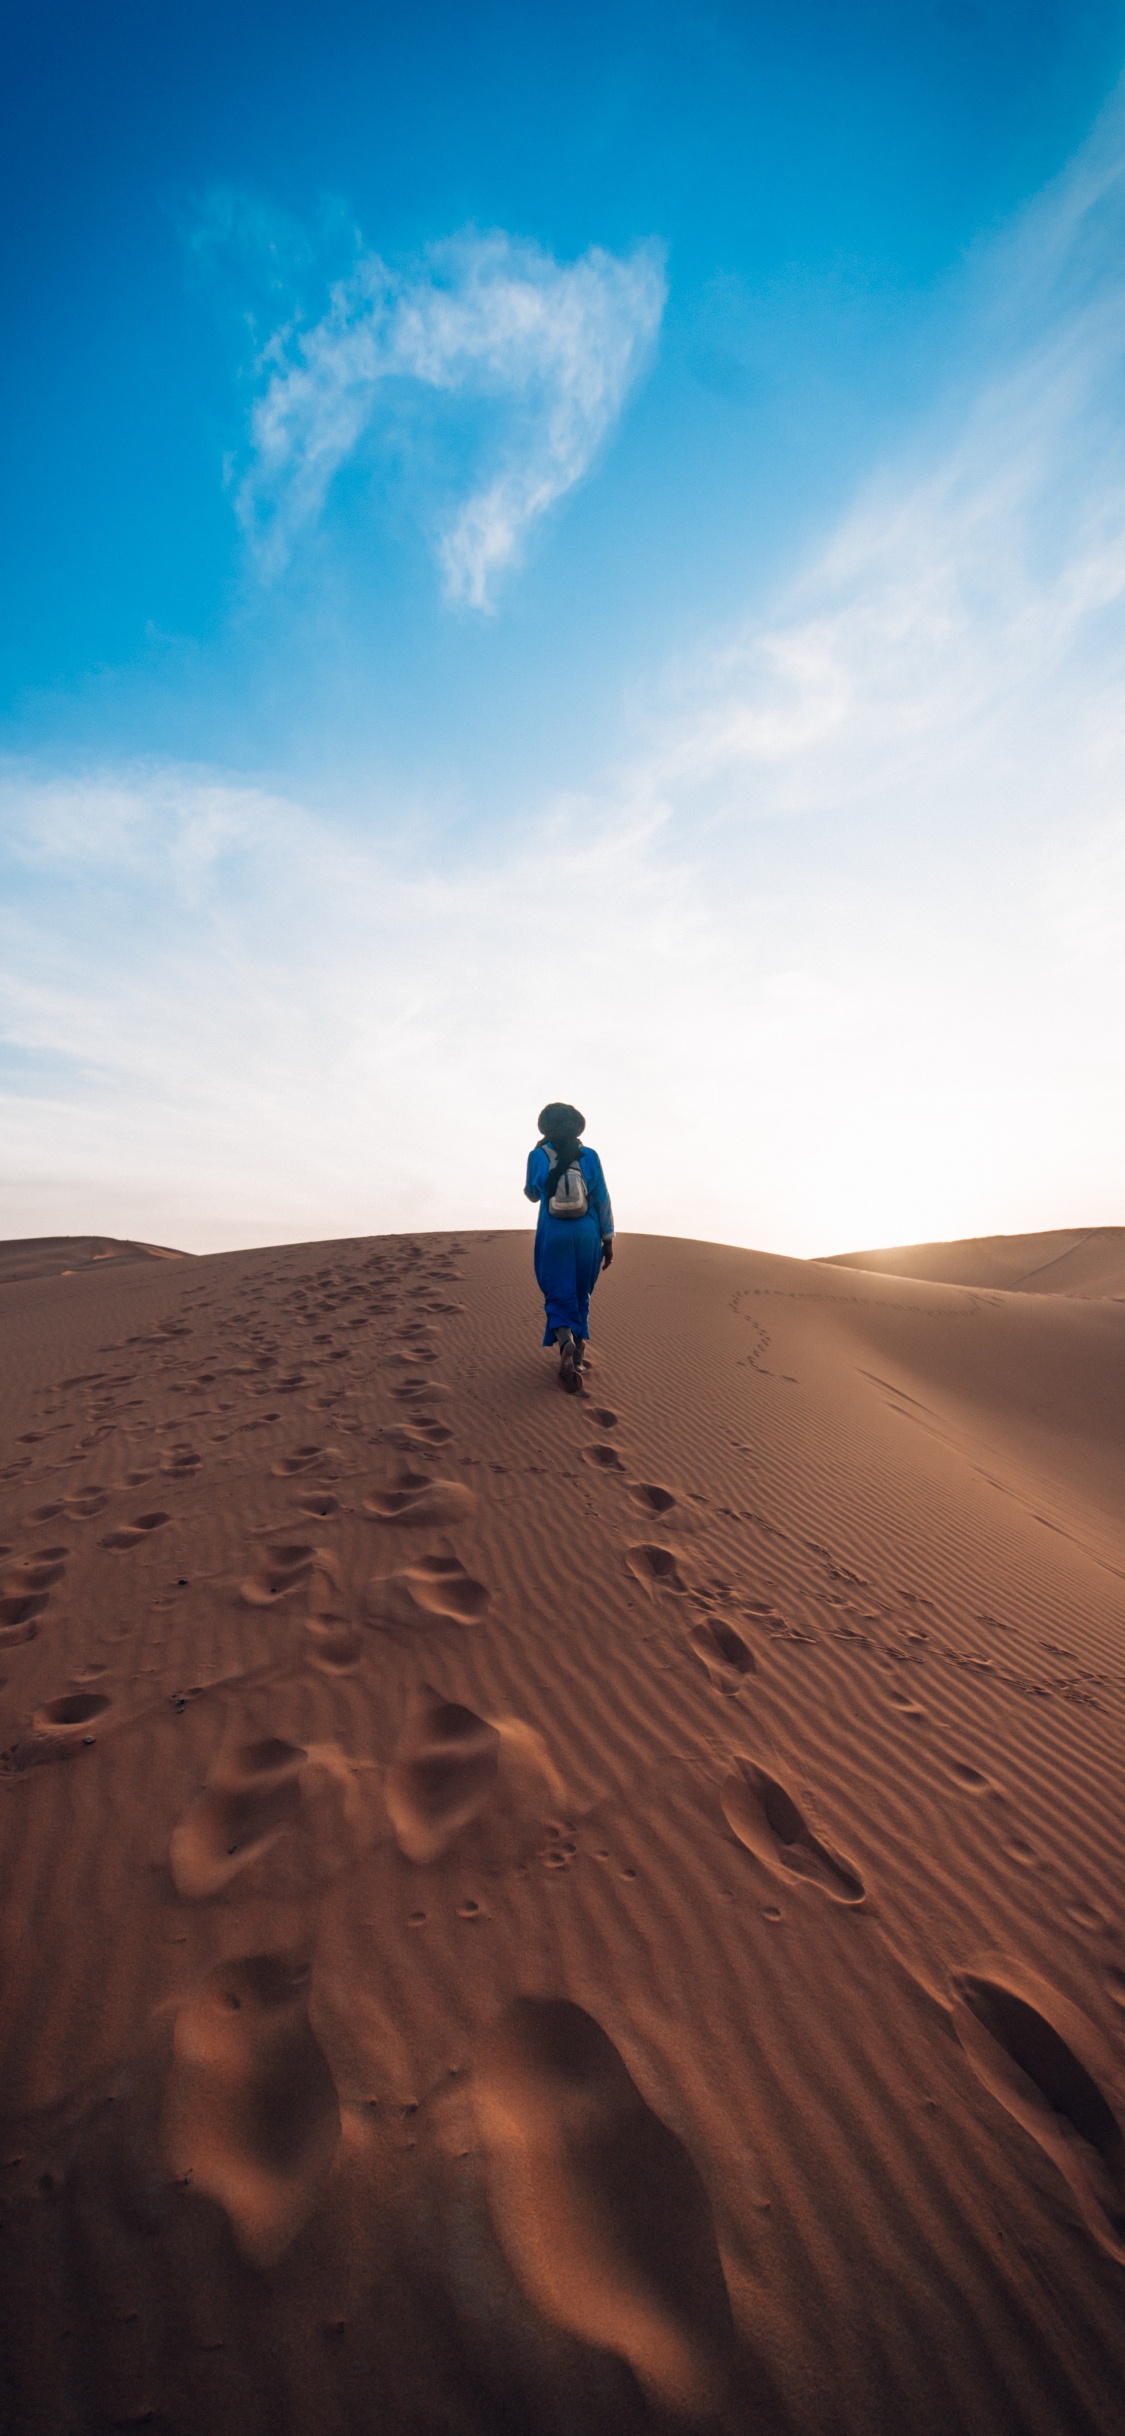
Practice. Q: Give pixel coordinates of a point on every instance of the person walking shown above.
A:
(574, 1236)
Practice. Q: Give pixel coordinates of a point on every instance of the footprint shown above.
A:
(603, 1458)
(71, 1713)
(418, 1436)
(334, 1649)
(287, 1565)
(723, 1652)
(420, 1391)
(604, 1418)
(598, 2207)
(444, 1768)
(970, 1779)
(655, 1567)
(17, 1618)
(36, 1573)
(301, 1459)
(181, 1462)
(251, 2117)
(318, 1502)
(253, 1797)
(1046, 2064)
(435, 1586)
(131, 1534)
(766, 1819)
(422, 1500)
(650, 1498)
(326, 1596)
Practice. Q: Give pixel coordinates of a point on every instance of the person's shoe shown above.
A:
(565, 1342)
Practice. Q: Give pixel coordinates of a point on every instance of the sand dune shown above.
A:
(1088, 1261)
(527, 1914)
(64, 1255)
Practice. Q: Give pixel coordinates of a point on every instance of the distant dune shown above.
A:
(527, 1914)
(1087, 1261)
(62, 1255)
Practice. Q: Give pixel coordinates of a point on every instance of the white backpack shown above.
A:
(569, 1197)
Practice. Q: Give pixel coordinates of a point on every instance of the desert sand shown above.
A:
(545, 1916)
(1088, 1261)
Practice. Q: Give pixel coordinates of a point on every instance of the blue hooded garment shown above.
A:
(568, 1251)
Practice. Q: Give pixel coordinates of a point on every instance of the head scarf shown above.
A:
(560, 1126)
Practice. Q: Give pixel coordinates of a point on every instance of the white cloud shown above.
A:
(553, 348)
(974, 589)
(300, 1035)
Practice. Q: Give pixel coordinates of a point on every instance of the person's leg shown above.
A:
(587, 1262)
(556, 1272)
(568, 1353)
(582, 1327)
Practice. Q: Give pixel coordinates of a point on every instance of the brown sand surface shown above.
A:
(1088, 1261)
(571, 1915)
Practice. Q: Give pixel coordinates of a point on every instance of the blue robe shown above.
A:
(568, 1251)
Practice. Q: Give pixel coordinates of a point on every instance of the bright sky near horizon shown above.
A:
(563, 552)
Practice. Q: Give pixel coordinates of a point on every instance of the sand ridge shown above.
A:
(1087, 1261)
(432, 1806)
(65, 1255)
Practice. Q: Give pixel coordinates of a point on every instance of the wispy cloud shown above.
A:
(551, 348)
(974, 587)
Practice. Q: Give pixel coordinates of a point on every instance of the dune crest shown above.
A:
(1087, 1262)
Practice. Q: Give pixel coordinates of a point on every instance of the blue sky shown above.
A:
(562, 552)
